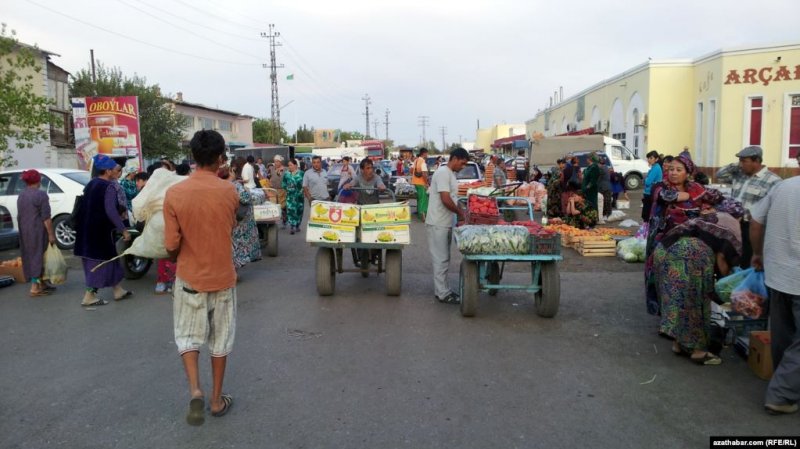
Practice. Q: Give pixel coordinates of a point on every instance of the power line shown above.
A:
(276, 108)
(178, 16)
(219, 16)
(367, 101)
(137, 40)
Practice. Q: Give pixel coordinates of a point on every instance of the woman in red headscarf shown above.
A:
(35, 231)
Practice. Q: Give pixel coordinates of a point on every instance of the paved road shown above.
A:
(363, 370)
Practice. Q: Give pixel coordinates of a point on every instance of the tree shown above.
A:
(304, 135)
(160, 127)
(23, 114)
(264, 132)
(350, 135)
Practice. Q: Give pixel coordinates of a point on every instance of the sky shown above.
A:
(460, 63)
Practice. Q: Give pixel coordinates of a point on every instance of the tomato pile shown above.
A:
(482, 205)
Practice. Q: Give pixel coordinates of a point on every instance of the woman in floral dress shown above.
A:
(246, 245)
(293, 184)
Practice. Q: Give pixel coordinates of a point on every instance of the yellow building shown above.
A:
(715, 104)
(485, 137)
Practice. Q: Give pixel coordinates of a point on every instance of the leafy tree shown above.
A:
(23, 114)
(304, 134)
(264, 132)
(160, 127)
(350, 135)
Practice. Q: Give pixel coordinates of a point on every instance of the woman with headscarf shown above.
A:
(95, 241)
(35, 231)
(693, 232)
(591, 182)
(554, 190)
(128, 184)
(246, 245)
(292, 183)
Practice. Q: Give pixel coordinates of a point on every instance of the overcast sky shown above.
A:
(455, 61)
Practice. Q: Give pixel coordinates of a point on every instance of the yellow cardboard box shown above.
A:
(759, 356)
(385, 214)
(394, 234)
(328, 212)
(327, 233)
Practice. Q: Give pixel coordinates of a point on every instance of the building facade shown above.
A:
(236, 128)
(715, 104)
(485, 137)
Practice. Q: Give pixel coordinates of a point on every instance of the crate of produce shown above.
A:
(482, 210)
(546, 244)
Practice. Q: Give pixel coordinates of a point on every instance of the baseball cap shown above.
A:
(751, 151)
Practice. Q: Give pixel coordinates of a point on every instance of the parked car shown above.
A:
(62, 186)
(470, 173)
(584, 159)
(9, 237)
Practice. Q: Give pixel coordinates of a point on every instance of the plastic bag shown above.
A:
(628, 223)
(750, 297)
(151, 199)
(725, 286)
(616, 215)
(632, 250)
(55, 266)
(492, 239)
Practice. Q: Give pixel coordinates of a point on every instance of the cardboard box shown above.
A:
(385, 214)
(328, 212)
(15, 272)
(267, 212)
(760, 354)
(390, 235)
(326, 233)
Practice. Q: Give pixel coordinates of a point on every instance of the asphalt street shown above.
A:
(364, 370)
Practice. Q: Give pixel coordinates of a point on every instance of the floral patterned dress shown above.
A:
(293, 184)
(246, 245)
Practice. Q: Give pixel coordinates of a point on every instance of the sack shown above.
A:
(55, 267)
(750, 297)
(150, 245)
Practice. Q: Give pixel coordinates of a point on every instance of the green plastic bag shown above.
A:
(725, 286)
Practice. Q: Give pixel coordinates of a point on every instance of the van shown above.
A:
(546, 151)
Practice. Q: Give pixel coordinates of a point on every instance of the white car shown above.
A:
(62, 185)
(470, 173)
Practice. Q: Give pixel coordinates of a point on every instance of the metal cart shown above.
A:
(268, 229)
(485, 272)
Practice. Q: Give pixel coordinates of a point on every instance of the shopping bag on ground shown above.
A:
(55, 266)
(725, 286)
(750, 297)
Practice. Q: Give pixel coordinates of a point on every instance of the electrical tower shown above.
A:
(273, 76)
(443, 129)
(367, 102)
(423, 122)
(375, 127)
(386, 122)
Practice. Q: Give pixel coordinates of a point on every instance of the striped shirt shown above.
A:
(748, 190)
(520, 162)
(778, 211)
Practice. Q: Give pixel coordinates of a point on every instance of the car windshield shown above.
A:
(470, 171)
(335, 170)
(81, 177)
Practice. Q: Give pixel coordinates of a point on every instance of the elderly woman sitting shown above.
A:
(579, 213)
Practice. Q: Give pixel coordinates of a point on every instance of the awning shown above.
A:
(508, 140)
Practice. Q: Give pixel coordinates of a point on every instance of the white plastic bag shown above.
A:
(150, 244)
(628, 223)
(616, 215)
(55, 266)
(151, 199)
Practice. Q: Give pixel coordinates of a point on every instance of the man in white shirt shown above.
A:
(248, 173)
(775, 236)
(442, 209)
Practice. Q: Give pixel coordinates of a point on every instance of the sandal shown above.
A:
(707, 359)
(677, 349)
(99, 302)
(451, 298)
(227, 403)
(43, 292)
(125, 295)
(196, 415)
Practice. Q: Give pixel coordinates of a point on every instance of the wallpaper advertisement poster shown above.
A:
(107, 125)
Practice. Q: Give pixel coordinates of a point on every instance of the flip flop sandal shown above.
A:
(99, 302)
(125, 295)
(43, 292)
(227, 403)
(196, 415)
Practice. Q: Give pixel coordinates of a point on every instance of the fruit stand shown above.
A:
(267, 217)
(482, 268)
(375, 234)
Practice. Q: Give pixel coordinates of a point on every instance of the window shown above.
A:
(756, 110)
(206, 123)
(698, 129)
(225, 125)
(636, 131)
(188, 121)
(616, 152)
(49, 187)
(620, 137)
(794, 127)
(6, 181)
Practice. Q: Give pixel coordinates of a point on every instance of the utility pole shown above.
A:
(367, 101)
(386, 122)
(375, 127)
(273, 76)
(443, 129)
(423, 122)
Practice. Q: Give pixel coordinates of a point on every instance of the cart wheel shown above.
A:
(549, 295)
(493, 277)
(363, 262)
(394, 271)
(272, 240)
(469, 288)
(326, 275)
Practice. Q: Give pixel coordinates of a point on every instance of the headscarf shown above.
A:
(130, 169)
(687, 162)
(31, 177)
(594, 158)
(103, 162)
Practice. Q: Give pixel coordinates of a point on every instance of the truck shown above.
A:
(545, 152)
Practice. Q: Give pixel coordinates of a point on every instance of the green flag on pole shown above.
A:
(290, 77)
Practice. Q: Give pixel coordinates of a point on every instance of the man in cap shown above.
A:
(776, 250)
(750, 181)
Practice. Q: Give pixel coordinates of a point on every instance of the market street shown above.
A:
(361, 369)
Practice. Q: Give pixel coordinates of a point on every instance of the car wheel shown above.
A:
(65, 234)
(633, 182)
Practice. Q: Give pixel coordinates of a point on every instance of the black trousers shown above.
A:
(647, 204)
(747, 248)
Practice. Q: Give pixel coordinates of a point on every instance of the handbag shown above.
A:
(417, 173)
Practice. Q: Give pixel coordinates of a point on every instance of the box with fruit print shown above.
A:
(385, 214)
(327, 233)
(393, 234)
(327, 212)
